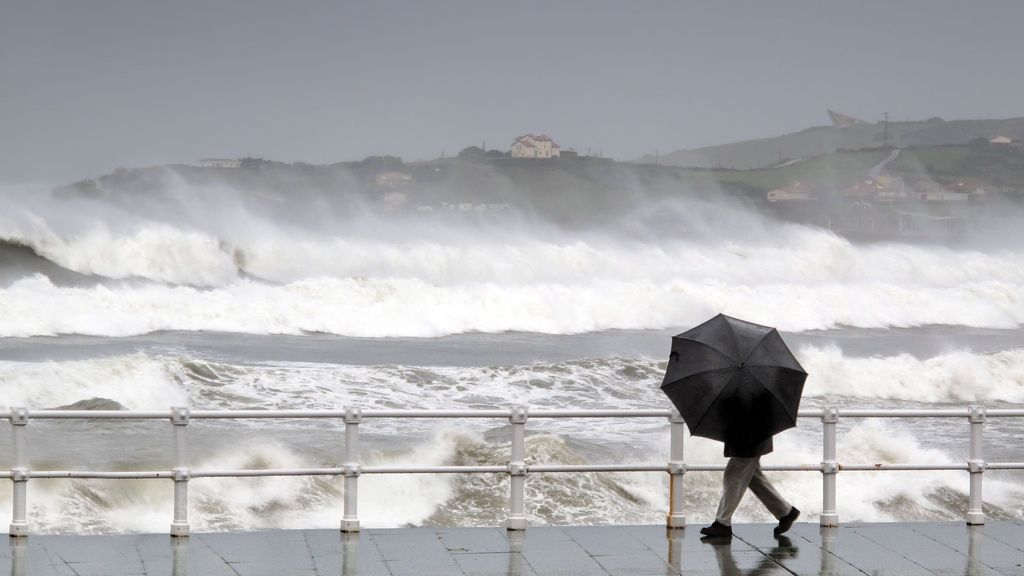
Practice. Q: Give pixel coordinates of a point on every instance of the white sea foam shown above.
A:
(143, 382)
(193, 259)
(958, 376)
(136, 381)
(381, 307)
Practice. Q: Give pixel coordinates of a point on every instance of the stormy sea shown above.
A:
(213, 296)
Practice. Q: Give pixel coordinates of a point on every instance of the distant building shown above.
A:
(795, 191)
(1000, 140)
(843, 120)
(392, 179)
(934, 192)
(944, 196)
(889, 188)
(860, 190)
(535, 146)
(394, 200)
(220, 163)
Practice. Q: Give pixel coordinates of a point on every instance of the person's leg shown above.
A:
(738, 473)
(767, 494)
(783, 511)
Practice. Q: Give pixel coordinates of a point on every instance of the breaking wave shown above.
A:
(142, 381)
(212, 260)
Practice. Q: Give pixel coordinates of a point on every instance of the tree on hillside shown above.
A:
(383, 163)
(978, 144)
(472, 153)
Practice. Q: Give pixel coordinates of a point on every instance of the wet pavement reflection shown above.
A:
(727, 565)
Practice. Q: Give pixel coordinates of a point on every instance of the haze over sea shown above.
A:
(217, 297)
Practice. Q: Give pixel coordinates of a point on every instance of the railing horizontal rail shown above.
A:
(102, 474)
(899, 466)
(923, 413)
(997, 412)
(599, 413)
(598, 468)
(265, 472)
(95, 415)
(1005, 465)
(434, 469)
(482, 414)
(539, 468)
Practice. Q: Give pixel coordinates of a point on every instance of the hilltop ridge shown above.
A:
(821, 140)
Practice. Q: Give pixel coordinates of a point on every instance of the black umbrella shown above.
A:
(734, 381)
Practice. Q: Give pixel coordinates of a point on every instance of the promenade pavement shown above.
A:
(996, 549)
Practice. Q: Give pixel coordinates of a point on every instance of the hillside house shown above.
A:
(889, 189)
(535, 146)
(795, 191)
(393, 179)
(220, 163)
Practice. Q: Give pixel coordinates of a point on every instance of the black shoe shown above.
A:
(717, 530)
(786, 522)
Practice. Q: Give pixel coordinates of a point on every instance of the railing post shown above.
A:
(517, 470)
(676, 470)
(976, 466)
(181, 473)
(350, 553)
(19, 474)
(350, 519)
(829, 467)
(179, 557)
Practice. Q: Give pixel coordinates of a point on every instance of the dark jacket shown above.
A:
(740, 440)
(738, 448)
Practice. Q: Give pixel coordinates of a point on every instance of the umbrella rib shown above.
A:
(708, 346)
(734, 341)
(783, 406)
(754, 347)
(715, 399)
(772, 392)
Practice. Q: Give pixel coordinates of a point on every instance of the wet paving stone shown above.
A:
(996, 549)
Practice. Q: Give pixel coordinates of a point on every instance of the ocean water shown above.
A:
(217, 298)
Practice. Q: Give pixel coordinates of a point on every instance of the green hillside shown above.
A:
(812, 142)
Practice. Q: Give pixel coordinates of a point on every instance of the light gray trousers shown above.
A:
(743, 472)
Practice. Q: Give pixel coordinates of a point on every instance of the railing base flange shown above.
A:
(18, 530)
(516, 524)
(350, 525)
(975, 519)
(830, 520)
(675, 522)
(179, 530)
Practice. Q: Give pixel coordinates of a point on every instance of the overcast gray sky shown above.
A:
(87, 86)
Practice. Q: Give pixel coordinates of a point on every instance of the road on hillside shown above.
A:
(876, 170)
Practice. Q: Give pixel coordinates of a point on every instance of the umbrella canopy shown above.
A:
(734, 381)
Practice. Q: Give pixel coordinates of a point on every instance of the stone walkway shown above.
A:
(898, 549)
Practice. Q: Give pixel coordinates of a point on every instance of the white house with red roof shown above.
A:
(535, 146)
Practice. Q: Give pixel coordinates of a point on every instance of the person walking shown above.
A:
(743, 471)
(737, 382)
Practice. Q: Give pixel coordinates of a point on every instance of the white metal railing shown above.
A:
(516, 468)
